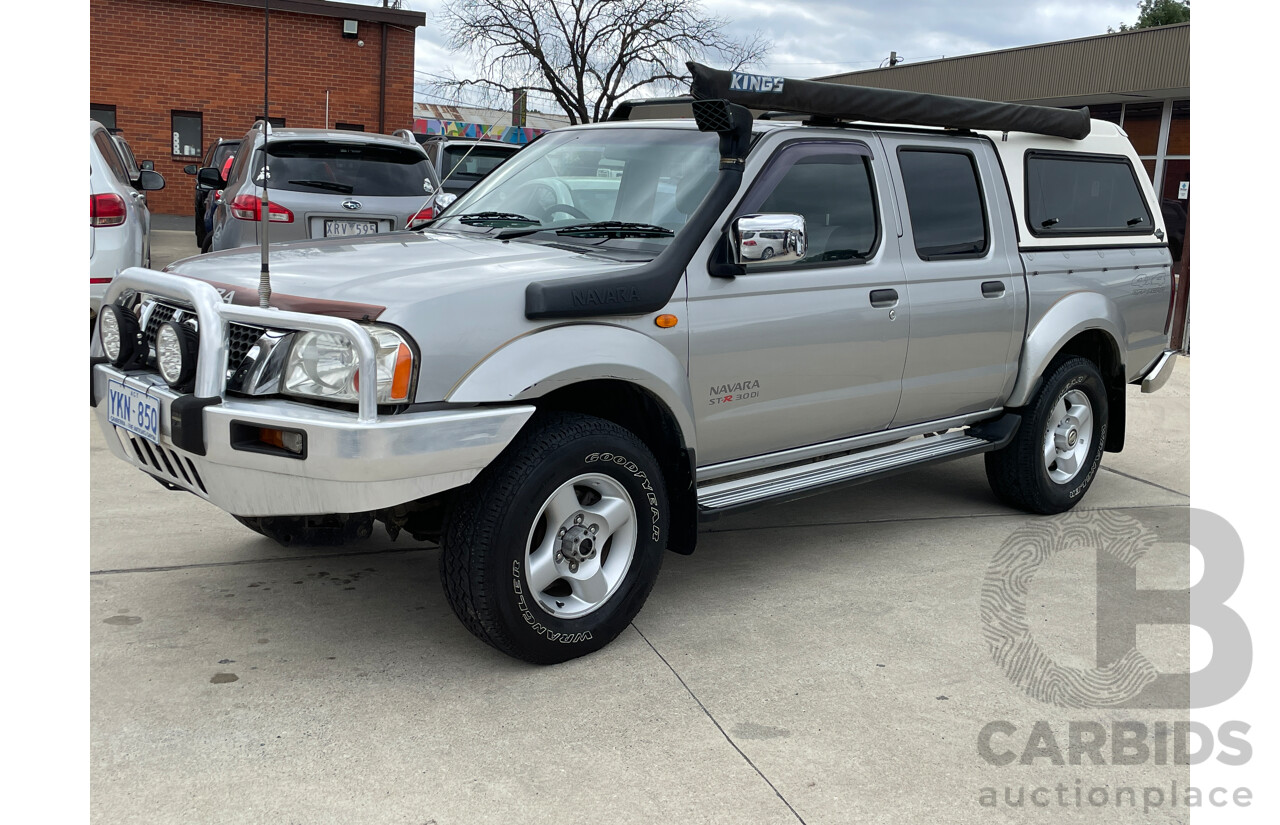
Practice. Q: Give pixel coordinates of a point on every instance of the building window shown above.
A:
(104, 114)
(1180, 129)
(1111, 112)
(350, 127)
(944, 201)
(188, 134)
(1142, 123)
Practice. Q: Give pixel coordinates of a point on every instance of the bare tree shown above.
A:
(588, 55)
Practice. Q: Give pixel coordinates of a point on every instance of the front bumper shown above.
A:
(1160, 371)
(350, 466)
(353, 460)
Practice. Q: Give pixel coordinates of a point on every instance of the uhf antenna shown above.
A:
(264, 276)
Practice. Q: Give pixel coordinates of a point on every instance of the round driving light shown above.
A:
(119, 333)
(176, 349)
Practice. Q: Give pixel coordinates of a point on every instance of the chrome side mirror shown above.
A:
(444, 199)
(777, 238)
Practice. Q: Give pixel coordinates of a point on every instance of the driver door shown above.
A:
(792, 354)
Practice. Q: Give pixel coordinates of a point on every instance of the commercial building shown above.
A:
(479, 122)
(1140, 79)
(174, 75)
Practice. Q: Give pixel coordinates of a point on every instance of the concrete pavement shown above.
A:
(821, 661)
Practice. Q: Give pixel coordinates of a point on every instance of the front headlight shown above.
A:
(323, 365)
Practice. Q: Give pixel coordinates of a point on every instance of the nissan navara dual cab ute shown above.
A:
(557, 381)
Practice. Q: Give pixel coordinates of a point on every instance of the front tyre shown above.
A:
(1053, 459)
(552, 550)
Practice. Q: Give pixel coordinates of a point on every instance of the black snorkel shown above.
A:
(649, 287)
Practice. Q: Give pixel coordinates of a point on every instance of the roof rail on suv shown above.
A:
(405, 134)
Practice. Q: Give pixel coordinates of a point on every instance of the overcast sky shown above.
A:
(812, 38)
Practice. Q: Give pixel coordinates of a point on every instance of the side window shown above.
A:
(238, 165)
(188, 138)
(107, 147)
(944, 201)
(830, 184)
(1084, 195)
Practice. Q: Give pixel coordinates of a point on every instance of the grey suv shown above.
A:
(321, 184)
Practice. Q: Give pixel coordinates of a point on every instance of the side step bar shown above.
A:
(808, 479)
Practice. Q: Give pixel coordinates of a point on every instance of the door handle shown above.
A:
(884, 298)
(992, 289)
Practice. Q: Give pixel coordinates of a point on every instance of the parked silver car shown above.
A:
(119, 221)
(322, 183)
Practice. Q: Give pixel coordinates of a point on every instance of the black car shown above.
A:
(216, 156)
(462, 162)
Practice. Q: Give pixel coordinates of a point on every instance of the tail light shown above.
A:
(748, 243)
(106, 210)
(249, 208)
(217, 196)
(424, 214)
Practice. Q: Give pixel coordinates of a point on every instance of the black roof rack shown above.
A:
(822, 101)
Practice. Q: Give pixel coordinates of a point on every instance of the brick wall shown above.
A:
(149, 58)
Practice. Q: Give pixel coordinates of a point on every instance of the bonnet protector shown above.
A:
(649, 287)
(841, 102)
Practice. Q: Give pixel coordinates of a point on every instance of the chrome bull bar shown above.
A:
(214, 314)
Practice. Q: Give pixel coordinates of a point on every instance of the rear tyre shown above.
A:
(552, 550)
(1052, 461)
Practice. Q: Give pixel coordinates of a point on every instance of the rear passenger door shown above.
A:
(793, 354)
(963, 273)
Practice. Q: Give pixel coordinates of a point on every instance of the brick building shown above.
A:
(175, 75)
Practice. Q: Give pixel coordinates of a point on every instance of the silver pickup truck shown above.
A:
(635, 325)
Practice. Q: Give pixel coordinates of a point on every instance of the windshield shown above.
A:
(472, 162)
(347, 169)
(650, 177)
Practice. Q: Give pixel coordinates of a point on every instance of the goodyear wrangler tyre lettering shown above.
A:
(1050, 464)
(553, 549)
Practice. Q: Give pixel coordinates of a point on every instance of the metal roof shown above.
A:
(1151, 64)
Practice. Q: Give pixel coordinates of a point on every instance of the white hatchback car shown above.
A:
(119, 221)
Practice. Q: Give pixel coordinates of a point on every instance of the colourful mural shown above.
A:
(494, 131)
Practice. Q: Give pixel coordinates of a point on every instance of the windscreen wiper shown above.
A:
(343, 188)
(496, 219)
(615, 229)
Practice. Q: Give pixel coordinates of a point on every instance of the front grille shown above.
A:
(240, 337)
